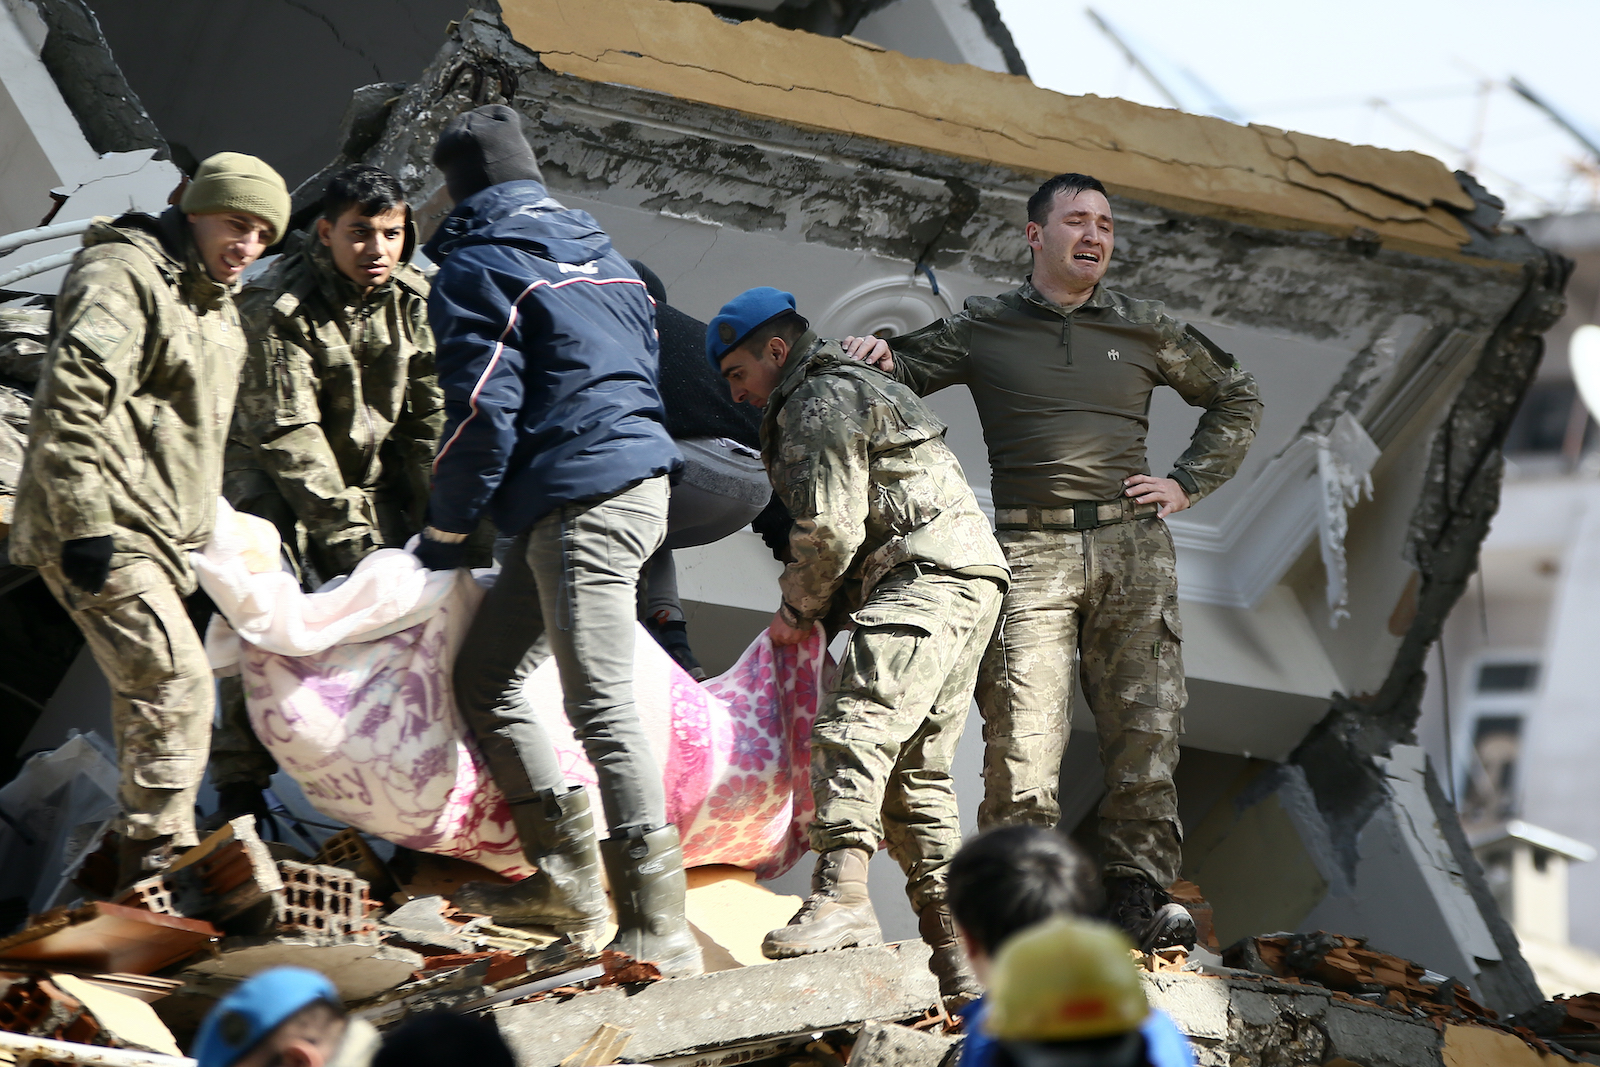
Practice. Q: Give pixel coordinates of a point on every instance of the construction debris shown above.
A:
(23, 1049)
(108, 937)
(1346, 966)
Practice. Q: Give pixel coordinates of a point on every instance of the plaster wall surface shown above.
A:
(43, 145)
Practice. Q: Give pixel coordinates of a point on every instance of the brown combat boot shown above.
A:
(958, 986)
(557, 832)
(837, 914)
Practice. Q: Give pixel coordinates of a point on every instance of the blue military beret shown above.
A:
(742, 316)
(254, 1009)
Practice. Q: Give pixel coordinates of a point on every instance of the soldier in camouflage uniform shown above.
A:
(1061, 370)
(338, 414)
(125, 464)
(886, 522)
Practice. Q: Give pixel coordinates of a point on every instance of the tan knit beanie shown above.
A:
(233, 181)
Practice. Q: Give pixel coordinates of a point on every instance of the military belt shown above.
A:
(1079, 515)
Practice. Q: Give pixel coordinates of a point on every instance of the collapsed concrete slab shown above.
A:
(731, 1016)
(1390, 315)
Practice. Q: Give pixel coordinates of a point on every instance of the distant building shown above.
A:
(1516, 666)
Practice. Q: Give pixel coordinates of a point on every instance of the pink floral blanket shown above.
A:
(371, 733)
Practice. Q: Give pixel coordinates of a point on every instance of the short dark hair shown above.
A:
(789, 326)
(374, 190)
(439, 1037)
(1044, 198)
(1006, 879)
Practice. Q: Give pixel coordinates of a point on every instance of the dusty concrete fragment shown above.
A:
(421, 922)
(774, 1006)
(1232, 1021)
(890, 1045)
(358, 970)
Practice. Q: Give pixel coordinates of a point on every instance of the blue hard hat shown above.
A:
(742, 316)
(254, 1009)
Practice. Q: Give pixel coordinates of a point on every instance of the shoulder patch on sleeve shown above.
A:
(1224, 359)
(101, 328)
(984, 307)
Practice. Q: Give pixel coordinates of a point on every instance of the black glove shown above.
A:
(441, 555)
(86, 562)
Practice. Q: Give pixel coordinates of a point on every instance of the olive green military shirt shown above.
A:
(862, 466)
(1064, 395)
(131, 415)
(339, 404)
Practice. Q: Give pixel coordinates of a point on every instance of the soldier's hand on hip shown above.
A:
(872, 350)
(1166, 492)
(86, 562)
(783, 634)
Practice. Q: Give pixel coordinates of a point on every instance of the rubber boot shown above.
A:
(837, 914)
(645, 868)
(557, 831)
(958, 986)
(1147, 915)
(141, 859)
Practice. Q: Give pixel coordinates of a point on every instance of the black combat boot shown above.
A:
(557, 831)
(1147, 915)
(837, 914)
(958, 986)
(645, 868)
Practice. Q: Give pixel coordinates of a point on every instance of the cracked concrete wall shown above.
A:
(1202, 165)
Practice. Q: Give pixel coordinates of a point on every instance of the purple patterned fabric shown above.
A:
(371, 733)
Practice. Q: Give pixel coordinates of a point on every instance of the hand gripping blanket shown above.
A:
(349, 689)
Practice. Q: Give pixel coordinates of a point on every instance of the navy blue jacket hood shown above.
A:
(548, 359)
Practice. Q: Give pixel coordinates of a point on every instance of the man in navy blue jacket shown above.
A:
(547, 358)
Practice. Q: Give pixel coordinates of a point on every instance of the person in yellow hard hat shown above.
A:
(1064, 993)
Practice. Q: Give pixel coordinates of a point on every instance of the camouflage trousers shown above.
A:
(886, 732)
(1108, 599)
(161, 692)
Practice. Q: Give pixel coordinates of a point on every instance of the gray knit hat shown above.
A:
(233, 181)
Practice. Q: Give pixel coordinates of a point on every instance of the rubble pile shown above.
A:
(1351, 970)
(1572, 1022)
(236, 904)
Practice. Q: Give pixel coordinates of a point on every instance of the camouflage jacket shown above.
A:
(1064, 395)
(862, 465)
(131, 415)
(339, 406)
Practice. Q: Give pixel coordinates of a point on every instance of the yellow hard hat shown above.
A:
(1065, 979)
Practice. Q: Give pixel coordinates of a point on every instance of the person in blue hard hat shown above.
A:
(284, 1017)
(547, 356)
(885, 528)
